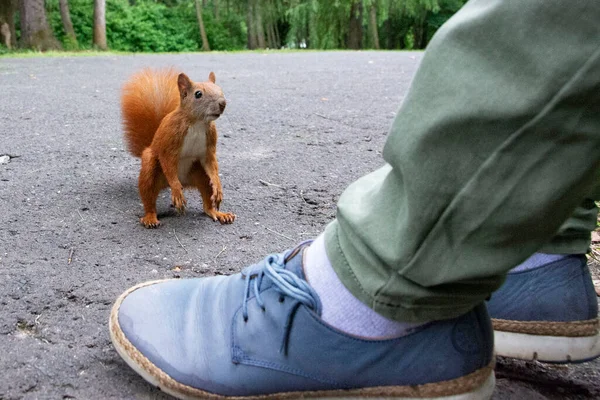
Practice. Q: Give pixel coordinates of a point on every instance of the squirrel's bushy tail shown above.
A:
(147, 97)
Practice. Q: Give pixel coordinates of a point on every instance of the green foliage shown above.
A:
(171, 25)
(435, 20)
(149, 26)
(407, 24)
(81, 12)
(28, 53)
(409, 41)
(228, 33)
(298, 17)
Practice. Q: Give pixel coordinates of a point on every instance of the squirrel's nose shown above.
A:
(222, 104)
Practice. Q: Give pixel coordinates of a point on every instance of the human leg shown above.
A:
(507, 149)
(261, 333)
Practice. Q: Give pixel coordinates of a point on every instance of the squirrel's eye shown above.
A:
(198, 94)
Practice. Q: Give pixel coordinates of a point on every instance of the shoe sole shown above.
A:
(478, 385)
(551, 349)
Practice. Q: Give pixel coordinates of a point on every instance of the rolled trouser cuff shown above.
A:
(352, 270)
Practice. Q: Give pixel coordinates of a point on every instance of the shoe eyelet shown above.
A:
(281, 299)
(264, 309)
(245, 319)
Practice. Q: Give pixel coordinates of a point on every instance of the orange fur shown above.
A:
(146, 99)
(156, 131)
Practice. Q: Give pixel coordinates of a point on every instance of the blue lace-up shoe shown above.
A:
(258, 335)
(549, 313)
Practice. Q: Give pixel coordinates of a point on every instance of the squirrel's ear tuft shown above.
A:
(184, 84)
(212, 77)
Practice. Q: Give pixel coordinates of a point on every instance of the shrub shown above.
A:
(148, 26)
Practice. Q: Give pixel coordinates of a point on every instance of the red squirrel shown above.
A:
(168, 122)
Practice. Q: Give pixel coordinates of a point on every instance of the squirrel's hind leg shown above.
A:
(202, 182)
(150, 183)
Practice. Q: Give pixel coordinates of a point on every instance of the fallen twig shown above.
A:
(115, 208)
(221, 252)
(302, 197)
(541, 376)
(71, 255)
(326, 117)
(38, 368)
(270, 184)
(181, 244)
(333, 119)
(280, 234)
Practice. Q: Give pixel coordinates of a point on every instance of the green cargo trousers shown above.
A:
(495, 146)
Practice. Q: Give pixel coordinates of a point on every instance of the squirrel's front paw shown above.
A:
(222, 217)
(179, 201)
(225, 218)
(150, 221)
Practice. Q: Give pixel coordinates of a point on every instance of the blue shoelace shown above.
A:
(286, 283)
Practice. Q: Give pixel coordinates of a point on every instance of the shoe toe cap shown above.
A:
(164, 322)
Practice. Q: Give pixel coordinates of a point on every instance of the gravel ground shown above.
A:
(299, 127)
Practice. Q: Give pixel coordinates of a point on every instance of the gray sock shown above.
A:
(340, 308)
(537, 260)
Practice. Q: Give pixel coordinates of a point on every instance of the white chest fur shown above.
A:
(193, 149)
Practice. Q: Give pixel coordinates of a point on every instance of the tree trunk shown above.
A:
(307, 31)
(271, 36)
(355, 27)
(260, 32)
(276, 44)
(205, 45)
(100, 24)
(216, 9)
(298, 37)
(273, 25)
(388, 28)
(387, 34)
(250, 25)
(12, 25)
(277, 38)
(35, 31)
(420, 29)
(373, 27)
(65, 15)
(5, 35)
(8, 33)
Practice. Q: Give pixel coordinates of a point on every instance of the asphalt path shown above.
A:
(299, 127)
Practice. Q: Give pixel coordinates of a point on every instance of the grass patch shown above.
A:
(4, 53)
(40, 54)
